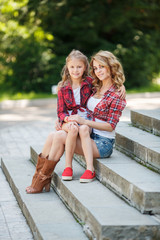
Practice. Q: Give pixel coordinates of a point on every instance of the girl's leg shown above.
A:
(88, 146)
(70, 145)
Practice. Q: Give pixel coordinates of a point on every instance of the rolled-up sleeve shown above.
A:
(61, 107)
(115, 111)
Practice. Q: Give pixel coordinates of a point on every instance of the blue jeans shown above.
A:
(104, 145)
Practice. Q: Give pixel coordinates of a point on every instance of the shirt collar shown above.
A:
(111, 89)
(83, 83)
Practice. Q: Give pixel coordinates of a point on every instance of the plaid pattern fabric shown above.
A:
(67, 102)
(110, 108)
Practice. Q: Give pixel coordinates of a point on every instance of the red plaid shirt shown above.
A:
(110, 108)
(67, 102)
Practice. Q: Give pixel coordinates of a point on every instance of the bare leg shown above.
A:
(87, 146)
(47, 146)
(83, 149)
(70, 145)
(58, 145)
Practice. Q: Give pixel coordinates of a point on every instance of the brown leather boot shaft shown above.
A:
(44, 177)
(40, 163)
(48, 167)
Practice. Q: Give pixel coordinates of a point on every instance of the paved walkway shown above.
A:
(13, 225)
(17, 128)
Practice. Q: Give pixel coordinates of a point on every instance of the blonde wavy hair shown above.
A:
(65, 73)
(107, 59)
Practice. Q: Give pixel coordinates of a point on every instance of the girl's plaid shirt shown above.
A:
(110, 108)
(67, 102)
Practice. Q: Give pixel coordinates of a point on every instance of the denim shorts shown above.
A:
(104, 145)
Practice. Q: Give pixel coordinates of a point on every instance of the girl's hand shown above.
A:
(122, 92)
(71, 124)
(57, 125)
(76, 118)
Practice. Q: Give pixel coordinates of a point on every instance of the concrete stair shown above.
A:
(148, 120)
(103, 214)
(122, 204)
(46, 214)
(140, 145)
(136, 184)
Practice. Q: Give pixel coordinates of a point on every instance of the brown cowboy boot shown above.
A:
(44, 177)
(40, 163)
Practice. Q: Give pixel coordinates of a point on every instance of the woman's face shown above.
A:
(76, 69)
(103, 73)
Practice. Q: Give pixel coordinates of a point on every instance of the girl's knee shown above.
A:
(73, 130)
(83, 130)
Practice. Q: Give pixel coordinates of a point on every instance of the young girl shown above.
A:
(73, 93)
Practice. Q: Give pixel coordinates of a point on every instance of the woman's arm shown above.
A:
(98, 125)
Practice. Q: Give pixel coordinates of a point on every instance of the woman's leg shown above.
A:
(43, 179)
(47, 146)
(57, 146)
(42, 156)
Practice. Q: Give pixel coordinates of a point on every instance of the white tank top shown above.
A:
(76, 93)
(92, 103)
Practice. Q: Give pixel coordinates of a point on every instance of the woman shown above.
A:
(104, 109)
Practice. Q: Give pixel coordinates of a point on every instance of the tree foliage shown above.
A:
(36, 36)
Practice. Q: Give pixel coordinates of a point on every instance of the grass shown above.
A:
(152, 88)
(19, 96)
(32, 95)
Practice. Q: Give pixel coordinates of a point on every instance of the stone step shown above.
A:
(148, 120)
(46, 214)
(142, 146)
(136, 184)
(104, 214)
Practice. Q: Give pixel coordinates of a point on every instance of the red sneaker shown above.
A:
(88, 176)
(67, 174)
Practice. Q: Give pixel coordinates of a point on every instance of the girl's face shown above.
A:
(103, 73)
(76, 69)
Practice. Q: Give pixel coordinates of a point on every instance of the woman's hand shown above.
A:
(57, 125)
(122, 92)
(77, 119)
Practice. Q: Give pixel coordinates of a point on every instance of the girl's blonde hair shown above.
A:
(107, 59)
(65, 73)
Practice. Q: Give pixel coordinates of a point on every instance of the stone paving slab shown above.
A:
(99, 208)
(13, 224)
